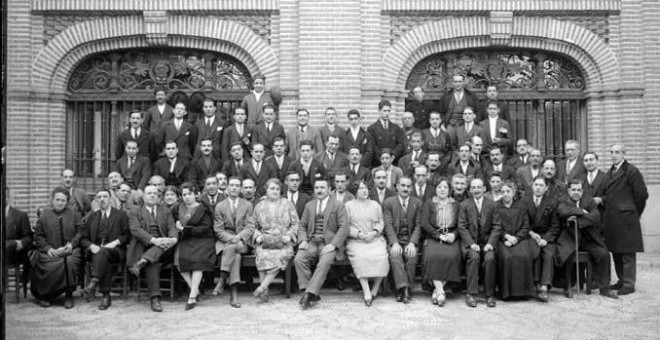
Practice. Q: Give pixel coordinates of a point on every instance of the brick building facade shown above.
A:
(347, 54)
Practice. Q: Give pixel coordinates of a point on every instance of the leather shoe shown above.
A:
(155, 305)
(617, 285)
(135, 269)
(406, 295)
(341, 285)
(105, 302)
(490, 302)
(470, 301)
(399, 295)
(42, 303)
(626, 290)
(609, 294)
(90, 290)
(234, 302)
(568, 293)
(68, 302)
(192, 302)
(542, 295)
(305, 302)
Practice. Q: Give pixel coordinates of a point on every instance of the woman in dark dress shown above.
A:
(442, 253)
(56, 260)
(195, 252)
(171, 198)
(515, 252)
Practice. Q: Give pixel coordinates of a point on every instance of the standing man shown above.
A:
(238, 132)
(308, 168)
(79, 201)
(492, 95)
(255, 101)
(258, 170)
(268, 131)
(409, 129)
(595, 180)
(210, 127)
(356, 171)
(357, 136)
(454, 102)
(464, 164)
(625, 200)
(205, 164)
(415, 157)
(278, 158)
(134, 167)
(494, 130)
(211, 196)
(322, 234)
(159, 113)
(105, 238)
(302, 132)
(403, 231)
(330, 127)
(18, 238)
(180, 131)
(386, 135)
(526, 174)
(420, 108)
(496, 164)
(332, 159)
(420, 189)
(463, 134)
(234, 164)
(172, 168)
(393, 172)
(573, 166)
(436, 139)
(154, 235)
(146, 142)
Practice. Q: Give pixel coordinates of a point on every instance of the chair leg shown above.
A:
(17, 282)
(287, 280)
(124, 286)
(589, 276)
(172, 283)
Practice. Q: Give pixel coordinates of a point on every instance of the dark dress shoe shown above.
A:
(470, 300)
(90, 290)
(609, 294)
(135, 269)
(306, 302)
(42, 303)
(617, 285)
(105, 302)
(234, 302)
(406, 295)
(399, 295)
(490, 302)
(341, 285)
(191, 304)
(568, 293)
(542, 295)
(626, 290)
(155, 305)
(68, 302)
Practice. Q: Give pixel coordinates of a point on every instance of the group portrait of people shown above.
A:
(449, 194)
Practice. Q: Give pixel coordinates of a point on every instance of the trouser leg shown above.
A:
(303, 262)
(473, 260)
(489, 272)
(316, 282)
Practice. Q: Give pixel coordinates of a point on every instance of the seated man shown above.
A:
(258, 170)
(380, 192)
(211, 196)
(205, 164)
(18, 237)
(234, 226)
(234, 164)
(580, 212)
(134, 167)
(172, 168)
(322, 234)
(479, 227)
(154, 236)
(403, 231)
(341, 184)
(296, 197)
(105, 238)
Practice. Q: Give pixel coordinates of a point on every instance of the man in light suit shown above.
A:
(393, 172)
(258, 170)
(302, 132)
(254, 102)
(267, 131)
(322, 234)
(332, 159)
(357, 136)
(159, 113)
(146, 142)
(233, 226)
(278, 159)
(79, 201)
(105, 238)
(573, 166)
(180, 131)
(402, 229)
(154, 236)
(296, 197)
(495, 131)
(172, 168)
(134, 167)
(526, 174)
(479, 227)
(386, 135)
(210, 127)
(331, 128)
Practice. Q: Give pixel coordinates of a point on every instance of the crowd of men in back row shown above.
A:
(161, 148)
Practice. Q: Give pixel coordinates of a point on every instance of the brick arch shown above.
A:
(57, 60)
(597, 60)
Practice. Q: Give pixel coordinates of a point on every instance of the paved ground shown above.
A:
(342, 315)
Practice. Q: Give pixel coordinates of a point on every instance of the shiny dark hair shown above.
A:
(61, 190)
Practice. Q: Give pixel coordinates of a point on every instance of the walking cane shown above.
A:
(577, 257)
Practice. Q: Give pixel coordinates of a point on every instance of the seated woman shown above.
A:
(276, 230)
(195, 252)
(171, 197)
(442, 253)
(57, 259)
(515, 252)
(495, 192)
(366, 246)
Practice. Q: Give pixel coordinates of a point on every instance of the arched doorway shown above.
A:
(105, 87)
(545, 91)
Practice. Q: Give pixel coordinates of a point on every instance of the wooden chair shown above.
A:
(16, 279)
(119, 282)
(249, 261)
(168, 281)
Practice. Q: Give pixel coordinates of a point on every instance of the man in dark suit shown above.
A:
(436, 139)
(210, 127)
(521, 158)
(258, 170)
(579, 211)
(356, 135)
(455, 101)
(205, 164)
(154, 235)
(526, 174)
(380, 191)
(296, 197)
(415, 157)
(322, 233)
(238, 132)
(496, 164)
(172, 168)
(407, 124)
(79, 201)
(386, 135)
(332, 159)
(356, 170)
(211, 196)
(421, 189)
(233, 165)
(402, 228)
(308, 168)
(492, 95)
(18, 238)
(464, 165)
(436, 170)
(625, 200)
(278, 159)
(159, 113)
(462, 134)
(494, 130)
(266, 132)
(478, 155)
(134, 167)
(331, 128)
(479, 227)
(146, 142)
(180, 131)
(105, 238)
(254, 102)
(419, 108)
(573, 166)
(594, 179)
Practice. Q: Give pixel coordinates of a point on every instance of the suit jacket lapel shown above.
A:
(326, 212)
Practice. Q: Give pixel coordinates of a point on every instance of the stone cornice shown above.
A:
(484, 6)
(126, 6)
